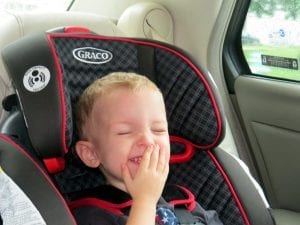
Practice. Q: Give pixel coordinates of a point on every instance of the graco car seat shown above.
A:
(144, 19)
(16, 25)
(50, 71)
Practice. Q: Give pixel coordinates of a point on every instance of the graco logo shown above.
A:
(92, 55)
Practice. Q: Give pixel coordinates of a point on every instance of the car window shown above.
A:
(270, 38)
(34, 5)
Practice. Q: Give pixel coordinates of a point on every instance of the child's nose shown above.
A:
(145, 140)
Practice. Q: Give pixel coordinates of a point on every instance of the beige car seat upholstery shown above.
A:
(147, 19)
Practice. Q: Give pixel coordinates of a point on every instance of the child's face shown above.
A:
(122, 125)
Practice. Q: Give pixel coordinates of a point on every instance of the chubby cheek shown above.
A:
(113, 159)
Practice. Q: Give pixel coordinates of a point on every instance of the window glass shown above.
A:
(34, 5)
(271, 38)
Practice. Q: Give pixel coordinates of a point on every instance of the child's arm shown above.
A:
(147, 185)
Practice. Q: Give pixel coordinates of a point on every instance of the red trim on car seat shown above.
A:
(55, 165)
(76, 30)
(189, 202)
(18, 147)
(62, 97)
(157, 45)
(235, 197)
(111, 207)
(184, 156)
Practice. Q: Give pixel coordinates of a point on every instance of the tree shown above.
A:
(268, 7)
(292, 8)
(263, 7)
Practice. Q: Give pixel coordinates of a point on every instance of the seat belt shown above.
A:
(183, 204)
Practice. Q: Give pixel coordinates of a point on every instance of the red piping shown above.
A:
(235, 197)
(114, 208)
(188, 151)
(11, 142)
(190, 202)
(61, 93)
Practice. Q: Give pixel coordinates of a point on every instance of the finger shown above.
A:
(126, 175)
(146, 157)
(154, 157)
(162, 160)
(166, 171)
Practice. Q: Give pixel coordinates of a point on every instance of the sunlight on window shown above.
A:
(270, 39)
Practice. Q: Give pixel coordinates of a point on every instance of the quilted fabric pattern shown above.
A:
(206, 182)
(200, 175)
(77, 177)
(190, 111)
(190, 114)
(189, 108)
(78, 75)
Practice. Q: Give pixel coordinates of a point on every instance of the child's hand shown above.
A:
(149, 181)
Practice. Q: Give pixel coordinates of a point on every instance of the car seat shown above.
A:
(147, 20)
(144, 19)
(16, 25)
(49, 72)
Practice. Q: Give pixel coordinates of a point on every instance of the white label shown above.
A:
(36, 78)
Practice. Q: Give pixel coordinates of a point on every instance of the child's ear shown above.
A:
(87, 154)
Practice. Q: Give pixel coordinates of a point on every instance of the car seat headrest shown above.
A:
(50, 71)
(147, 20)
(15, 25)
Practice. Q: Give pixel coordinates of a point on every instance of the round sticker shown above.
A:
(36, 78)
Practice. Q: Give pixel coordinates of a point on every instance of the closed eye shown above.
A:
(159, 130)
(123, 132)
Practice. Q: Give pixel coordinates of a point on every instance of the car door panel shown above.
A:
(270, 111)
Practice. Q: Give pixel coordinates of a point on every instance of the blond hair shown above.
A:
(103, 86)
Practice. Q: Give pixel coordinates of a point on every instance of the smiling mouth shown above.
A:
(136, 160)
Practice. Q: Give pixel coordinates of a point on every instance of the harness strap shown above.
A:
(182, 206)
(189, 202)
(99, 203)
(146, 61)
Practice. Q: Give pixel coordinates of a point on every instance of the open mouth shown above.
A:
(136, 160)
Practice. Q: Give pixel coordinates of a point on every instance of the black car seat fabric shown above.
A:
(26, 171)
(50, 71)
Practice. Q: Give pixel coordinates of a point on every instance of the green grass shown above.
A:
(253, 56)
